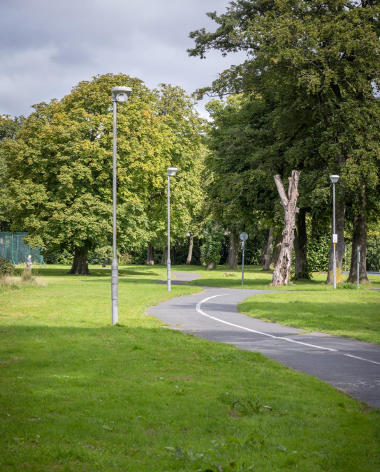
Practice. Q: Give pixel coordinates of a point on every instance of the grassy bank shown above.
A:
(80, 395)
(349, 313)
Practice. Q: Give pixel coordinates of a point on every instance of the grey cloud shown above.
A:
(50, 46)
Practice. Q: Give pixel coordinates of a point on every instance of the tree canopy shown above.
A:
(318, 64)
(59, 169)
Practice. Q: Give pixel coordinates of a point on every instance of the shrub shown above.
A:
(318, 254)
(6, 266)
(373, 253)
(210, 250)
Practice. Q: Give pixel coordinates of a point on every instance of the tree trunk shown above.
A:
(233, 251)
(276, 251)
(339, 248)
(164, 259)
(150, 255)
(80, 263)
(268, 250)
(191, 245)
(300, 247)
(359, 240)
(281, 274)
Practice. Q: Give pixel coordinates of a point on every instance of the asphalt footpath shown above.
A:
(349, 365)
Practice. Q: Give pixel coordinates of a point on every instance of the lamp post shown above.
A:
(119, 94)
(171, 173)
(334, 179)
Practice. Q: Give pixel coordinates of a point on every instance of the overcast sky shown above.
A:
(48, 46)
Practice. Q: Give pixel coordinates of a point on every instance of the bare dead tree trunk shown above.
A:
(150, 255)
(233, 251)
(359, 240)
(80, 263)
(276, 251)
(281, 274)
(268, 250)
(164, 259)
(300, 247)
(191, 245)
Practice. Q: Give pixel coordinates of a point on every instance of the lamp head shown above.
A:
(172, 171)
(121, 94)
(334, 178)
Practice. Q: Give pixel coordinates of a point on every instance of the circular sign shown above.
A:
(243, 236)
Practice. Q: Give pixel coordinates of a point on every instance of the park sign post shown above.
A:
(243, 237)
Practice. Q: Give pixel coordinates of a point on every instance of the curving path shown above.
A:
(349, 365)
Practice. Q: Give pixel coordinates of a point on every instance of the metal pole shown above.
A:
(114, 268)
(168, 258)
(334, 256)
(358, 267)
(242, 265)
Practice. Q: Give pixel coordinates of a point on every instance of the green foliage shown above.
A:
(100, 254)
(310, 80)
(318, 254)
(373, 252)
(57, 256)
(59, 167)
(212, 245)
(6, 266)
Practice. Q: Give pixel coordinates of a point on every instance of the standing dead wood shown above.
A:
(281, 274)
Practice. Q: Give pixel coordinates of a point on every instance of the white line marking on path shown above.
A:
(198, 308)
(362, 359)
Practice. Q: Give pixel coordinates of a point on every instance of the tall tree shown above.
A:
(9, 128)
(59, 170)
(318, 59)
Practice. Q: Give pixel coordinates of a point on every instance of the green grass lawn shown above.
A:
(258, 279)
(349, 313)
(78, 394)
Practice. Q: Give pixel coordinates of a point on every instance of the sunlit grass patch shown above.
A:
(350, 313)
(78, 394)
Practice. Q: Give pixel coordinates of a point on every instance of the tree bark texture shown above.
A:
(233, 251)
(276, 251)
(281, 274)
(300, 247)
(340, 211)
(150, 255)
(191, 245)
(268, 250)
(359, 240)
(80, 263)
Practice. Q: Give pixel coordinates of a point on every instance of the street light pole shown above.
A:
(119, 94)
(334, 179)
(170, 172)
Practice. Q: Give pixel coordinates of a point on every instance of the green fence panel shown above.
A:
(12, 247)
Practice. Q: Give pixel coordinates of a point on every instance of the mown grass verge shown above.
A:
(349, 313)
(80, 395)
